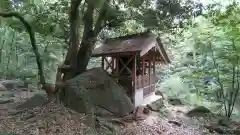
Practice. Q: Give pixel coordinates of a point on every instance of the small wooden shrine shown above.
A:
(131, 61)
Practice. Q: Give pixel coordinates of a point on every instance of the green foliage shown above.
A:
(214, 41)
(50, 20)
(17, 59)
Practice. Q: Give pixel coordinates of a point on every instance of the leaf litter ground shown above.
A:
(55, 119)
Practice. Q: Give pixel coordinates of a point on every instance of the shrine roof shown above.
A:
(140, 42)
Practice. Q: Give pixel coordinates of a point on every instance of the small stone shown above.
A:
(57, 130)
(2, 88)
(175, 101)
(146, 110)
(175, 122)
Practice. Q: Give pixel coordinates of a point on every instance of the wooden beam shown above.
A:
(109, 64)
(129, 53)
(125, 65)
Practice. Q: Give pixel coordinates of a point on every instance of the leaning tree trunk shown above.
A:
(32, 39)
(49, 88)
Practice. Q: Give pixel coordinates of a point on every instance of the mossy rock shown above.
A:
(35, 101)
(199, 111)
(5, 101)
(8, 94)
(12, 84)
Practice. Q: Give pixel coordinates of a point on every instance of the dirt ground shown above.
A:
(55, 119)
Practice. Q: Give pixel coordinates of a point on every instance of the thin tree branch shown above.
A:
(218, 76)
(32, 39)
(237, 90)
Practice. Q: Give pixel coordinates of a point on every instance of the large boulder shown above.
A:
(95, 88)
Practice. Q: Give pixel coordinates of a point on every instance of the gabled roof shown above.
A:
(162, 51)
(141, 42)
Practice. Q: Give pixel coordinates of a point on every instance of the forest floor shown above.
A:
(55, 119)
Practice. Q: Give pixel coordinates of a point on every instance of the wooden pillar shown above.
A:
(117, 63)
(143, 69)
(134, 78)
(114, 63)
(103, 63)
(154, 63)
(149, 70)
(117, 68)
(154, 59)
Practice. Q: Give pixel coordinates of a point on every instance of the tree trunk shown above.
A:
(88, 40)
(74, 20)
(84, 54)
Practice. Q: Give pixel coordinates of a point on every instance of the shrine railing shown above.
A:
(144, 81)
